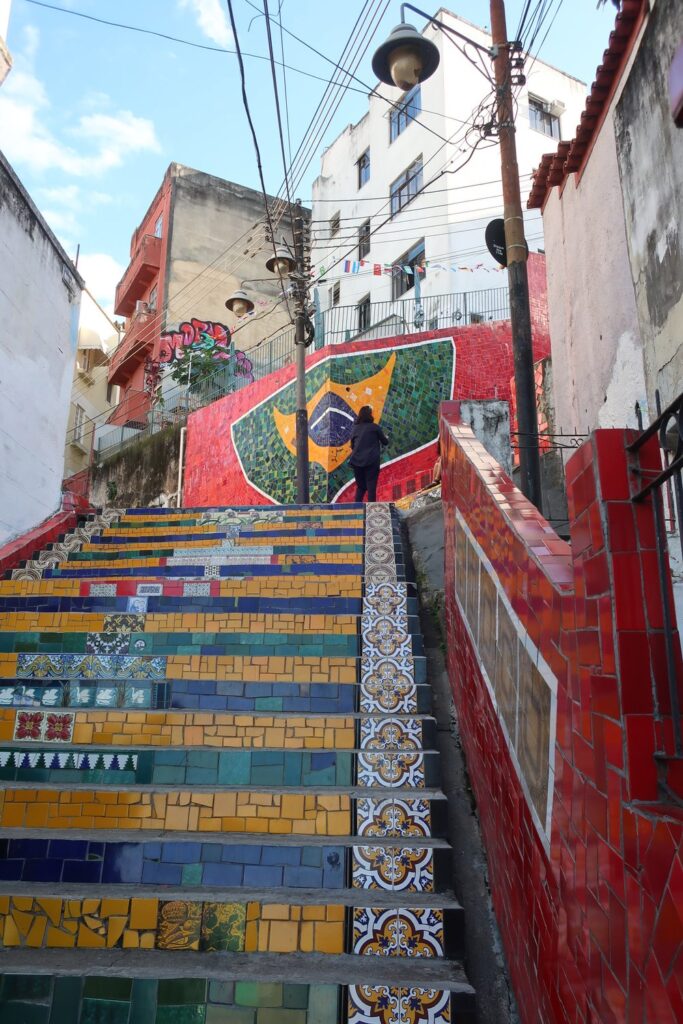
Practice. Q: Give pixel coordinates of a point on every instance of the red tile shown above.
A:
(634, 673)
(628, 592)
(621, 526)
(596, 575)
(611, 461)
(642, 769)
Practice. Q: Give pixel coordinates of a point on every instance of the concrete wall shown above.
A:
(145, 472)
(208, 214)
(596, 343)
(647, 138)
(38, 329)
(452, 214)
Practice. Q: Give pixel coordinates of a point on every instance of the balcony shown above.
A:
(142, 270)
(137, 344)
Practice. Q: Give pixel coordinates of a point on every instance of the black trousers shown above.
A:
(366, 480)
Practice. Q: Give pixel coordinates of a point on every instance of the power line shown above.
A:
(176, 39)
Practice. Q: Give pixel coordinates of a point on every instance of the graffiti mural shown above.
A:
(404, 387)
(198, 347)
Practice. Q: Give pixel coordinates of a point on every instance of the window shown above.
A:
(406, 187)
(363, 308)
(159, 226)
(110, 394)
(404, 275)
(363, 168)
(335, 294)
(363, 240)
(408, 107)
(152, 300)
(79, 426)
(86, 359)
(334, 225)
(541, 120)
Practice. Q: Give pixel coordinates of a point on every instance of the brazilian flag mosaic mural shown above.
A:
(404, 386)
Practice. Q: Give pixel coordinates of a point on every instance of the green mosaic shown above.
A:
(421, 379)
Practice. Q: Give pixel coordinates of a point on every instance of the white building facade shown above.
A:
(40, 293)
(375, 169)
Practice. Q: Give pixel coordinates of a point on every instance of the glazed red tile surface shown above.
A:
(591, 908)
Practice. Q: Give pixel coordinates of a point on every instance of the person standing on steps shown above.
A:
(366, 438)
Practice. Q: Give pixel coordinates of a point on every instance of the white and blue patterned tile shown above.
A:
(403, 932)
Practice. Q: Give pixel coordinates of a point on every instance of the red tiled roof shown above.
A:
(554, 167)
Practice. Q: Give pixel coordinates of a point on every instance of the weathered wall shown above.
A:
(650, 158)
(555, 663)
(240, 450)
(596, 344)
(208, 214)
(145, 472)
(38, 321)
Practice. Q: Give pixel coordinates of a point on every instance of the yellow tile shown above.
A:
(144, 913)
(284, 937)
(329, 938)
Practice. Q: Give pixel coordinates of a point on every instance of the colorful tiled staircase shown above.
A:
(220, 801)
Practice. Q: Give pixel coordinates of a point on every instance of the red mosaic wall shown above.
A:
(592, 920)
(213, 475)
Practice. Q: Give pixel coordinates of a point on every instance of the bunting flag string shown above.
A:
(377, 269)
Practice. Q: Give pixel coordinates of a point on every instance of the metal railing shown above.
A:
(666, 488)
(333, 326)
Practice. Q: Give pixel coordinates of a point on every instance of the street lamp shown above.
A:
(407, 58)
(286, 263)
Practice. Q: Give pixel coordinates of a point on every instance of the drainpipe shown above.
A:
(181, 456)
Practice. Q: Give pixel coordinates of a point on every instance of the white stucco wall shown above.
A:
(596, 347)
(453, 212)
(38, 328)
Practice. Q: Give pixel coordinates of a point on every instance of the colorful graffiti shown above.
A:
(404, 387)
(205, 343)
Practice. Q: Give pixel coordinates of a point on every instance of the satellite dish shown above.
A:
(494, 236)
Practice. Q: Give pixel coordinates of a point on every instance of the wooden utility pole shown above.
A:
(520, 314)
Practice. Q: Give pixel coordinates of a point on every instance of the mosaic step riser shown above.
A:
(313, 589)
(203, 604)
(152, 644)
(215, 696)
(195, 865)
(235, 927)
(284, 566)
(415, 770)
(218, 554)
(182, 621)
(227, 811)
(115, 539)
(114, 1000)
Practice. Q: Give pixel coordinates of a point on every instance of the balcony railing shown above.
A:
(142, 269)
(333, 326)
(135, 345)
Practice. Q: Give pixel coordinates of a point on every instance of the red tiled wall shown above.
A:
(213, 475)
(592, 926)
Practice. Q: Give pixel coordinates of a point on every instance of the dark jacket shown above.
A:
(365, 442)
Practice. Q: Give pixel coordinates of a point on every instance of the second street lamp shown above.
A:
(404, 60)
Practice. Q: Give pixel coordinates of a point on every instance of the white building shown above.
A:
(372, 171)
(5, 56)
(40, 292)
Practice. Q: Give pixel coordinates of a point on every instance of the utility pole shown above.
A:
(520, 314)
(300, 319)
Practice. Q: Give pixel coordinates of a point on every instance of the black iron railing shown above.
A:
(665, 485)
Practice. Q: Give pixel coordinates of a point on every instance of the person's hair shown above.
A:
(365, 414)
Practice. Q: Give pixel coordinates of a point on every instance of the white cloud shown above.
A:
(27, 140)
(211, 18)
(101, 274)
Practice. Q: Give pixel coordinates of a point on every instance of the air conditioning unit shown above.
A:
(141, 307)
(556, 108)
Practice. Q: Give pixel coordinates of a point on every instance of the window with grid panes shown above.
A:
(363, 308)
(363, 240)
(404, 275)
(407, 108)
(334, 225)
(541, 120)
(406, 186)
(335, 294)
(363, 165)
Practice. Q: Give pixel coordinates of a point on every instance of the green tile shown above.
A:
(222, 992)
(25, 986)
(143, 1001)
(107, 988)
(275, 1015)
(295, 997)
(175, 991)
(323, 1004)
(234, 768)
(66, 1000)
(185, 1014)
(231, 1015)
(104, 1011)
(223, 926)
(248, 993)
(192, 874)
(23, 1013)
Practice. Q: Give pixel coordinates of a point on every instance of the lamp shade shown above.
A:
(239, 303)
(406, 58)
(281, 262)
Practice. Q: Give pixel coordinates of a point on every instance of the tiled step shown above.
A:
(216, 743)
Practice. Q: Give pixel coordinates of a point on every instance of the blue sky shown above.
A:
(92, 115)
